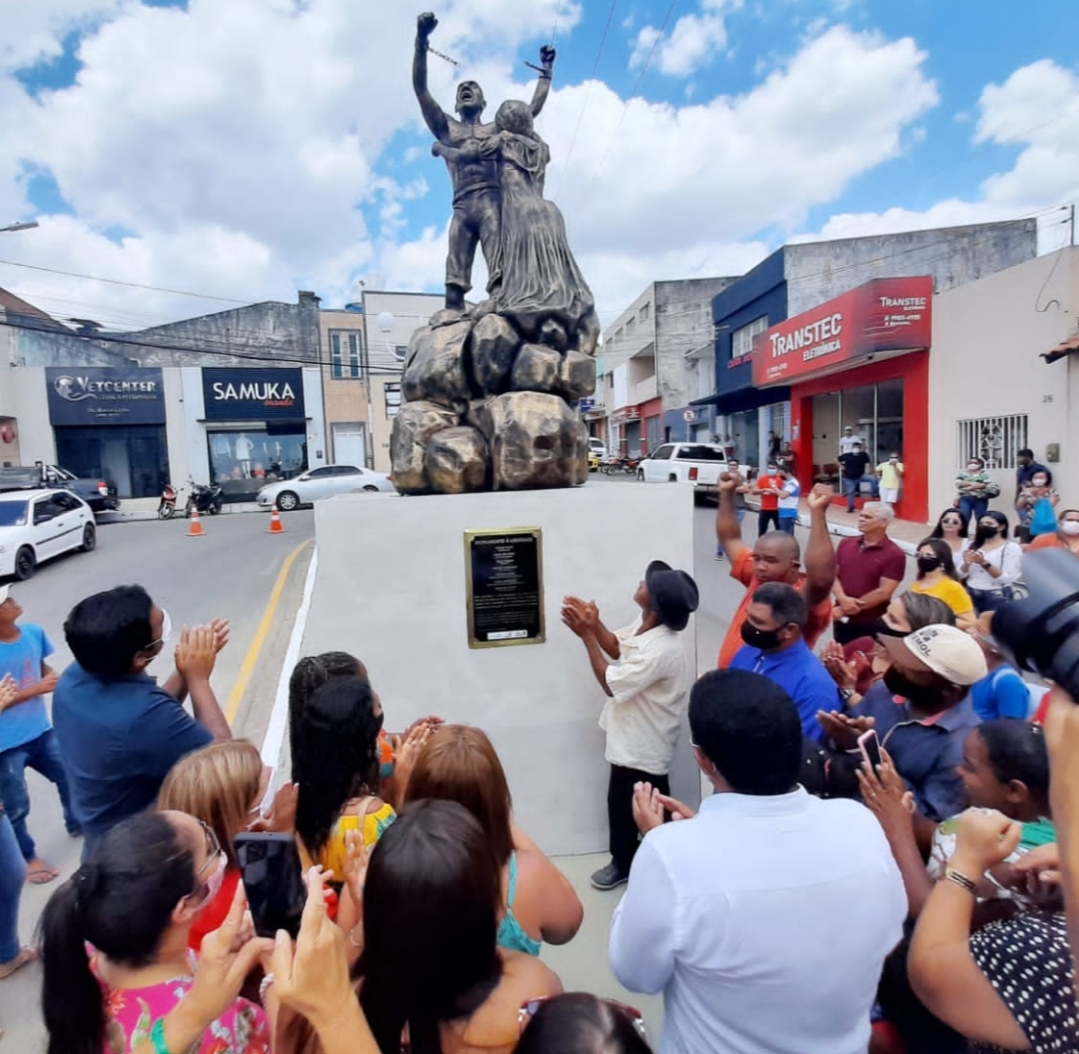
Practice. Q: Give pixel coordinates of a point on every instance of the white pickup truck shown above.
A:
(698, 463)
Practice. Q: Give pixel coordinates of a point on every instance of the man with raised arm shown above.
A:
(775, 557)
(477, 202)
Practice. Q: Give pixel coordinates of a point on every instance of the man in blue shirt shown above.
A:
(774, 647)
(26, 737)
(119, 732)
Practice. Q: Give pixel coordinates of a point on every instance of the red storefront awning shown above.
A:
(886, 314)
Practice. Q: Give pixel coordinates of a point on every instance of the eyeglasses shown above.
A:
(528, 1011)
(952, 523)
(213, 850)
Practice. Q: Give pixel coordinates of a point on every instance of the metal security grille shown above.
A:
(996, 440)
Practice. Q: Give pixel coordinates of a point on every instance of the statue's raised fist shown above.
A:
(425, 24)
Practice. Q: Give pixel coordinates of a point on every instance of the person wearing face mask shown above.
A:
(1035, 504)
(922, 711)
(119, 732)
(775, 648)
(974, 489)
(937, 578)
(1066, 535)
(991, 564)
(115, 942)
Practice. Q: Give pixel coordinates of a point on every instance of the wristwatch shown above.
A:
(847, 694)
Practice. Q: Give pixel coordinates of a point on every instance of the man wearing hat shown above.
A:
(922, 712)
(642, 669)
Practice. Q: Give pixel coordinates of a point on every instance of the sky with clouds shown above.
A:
(244, 149)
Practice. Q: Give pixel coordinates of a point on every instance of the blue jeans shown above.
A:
(786, 523)
(974, 509)
(12, 876)
(43, 755)
(851, 488)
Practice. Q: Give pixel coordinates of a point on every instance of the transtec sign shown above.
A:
(886, 314)
(105, 395)
(252, 395)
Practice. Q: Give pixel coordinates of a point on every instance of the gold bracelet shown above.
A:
(960, 879)
(352, 940)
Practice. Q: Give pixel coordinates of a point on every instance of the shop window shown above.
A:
(393, 399)
(874, 413)
(243, 461)
(742, 339)
(345, 355)
(996, 440)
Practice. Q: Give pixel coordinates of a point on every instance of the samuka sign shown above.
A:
(252, 394)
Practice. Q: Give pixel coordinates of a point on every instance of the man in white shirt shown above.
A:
(764, 920)
(848, 440)
(642, 669)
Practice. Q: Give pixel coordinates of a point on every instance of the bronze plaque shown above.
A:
(504, 573)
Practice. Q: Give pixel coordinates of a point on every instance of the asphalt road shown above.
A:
(229, 572)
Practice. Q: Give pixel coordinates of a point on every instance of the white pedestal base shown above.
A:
(390, 588)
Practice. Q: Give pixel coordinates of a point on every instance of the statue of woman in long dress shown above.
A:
(540, 277)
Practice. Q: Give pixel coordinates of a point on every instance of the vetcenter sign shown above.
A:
(105, 395)
(252, 394)
(886, 314)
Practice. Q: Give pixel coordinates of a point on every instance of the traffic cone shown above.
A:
(194, 528)
(275, 521)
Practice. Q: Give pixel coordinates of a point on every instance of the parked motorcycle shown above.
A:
(205, 499)
(167, 505)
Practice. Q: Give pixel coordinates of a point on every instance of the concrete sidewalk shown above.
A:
(146, 509)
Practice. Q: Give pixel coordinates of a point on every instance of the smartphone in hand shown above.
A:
(869, 745)
(273, 880)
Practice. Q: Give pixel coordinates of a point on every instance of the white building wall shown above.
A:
(194, 434)
(316, 421)
(988, 336)
(175, 431)
(28, 400)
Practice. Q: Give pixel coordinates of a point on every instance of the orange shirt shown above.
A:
(1047, 541)
(820, 617)
(769, 502)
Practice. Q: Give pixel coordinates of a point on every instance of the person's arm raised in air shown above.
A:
(942, 970)
(432, 113)
(195, 657)
(543, 85)
(820, 553)
(728, 529)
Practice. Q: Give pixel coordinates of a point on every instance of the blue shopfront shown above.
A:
(745, 416)
(110, 422)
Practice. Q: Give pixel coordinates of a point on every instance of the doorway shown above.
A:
(349, 444)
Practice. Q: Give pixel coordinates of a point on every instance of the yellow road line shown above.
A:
(248, 667)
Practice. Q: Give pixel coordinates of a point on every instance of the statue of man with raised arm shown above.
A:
(476, 198)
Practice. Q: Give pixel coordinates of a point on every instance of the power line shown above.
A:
(629, 99)
(587, 96)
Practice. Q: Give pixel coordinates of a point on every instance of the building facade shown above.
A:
(798, 278)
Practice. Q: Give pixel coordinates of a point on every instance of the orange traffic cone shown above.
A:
(194, 529)
(275, 521)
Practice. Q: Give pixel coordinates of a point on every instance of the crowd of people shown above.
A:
(883, 861)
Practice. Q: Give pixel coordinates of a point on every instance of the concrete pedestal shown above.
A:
(390, 588)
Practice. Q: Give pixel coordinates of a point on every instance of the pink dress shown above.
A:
(131, 1012)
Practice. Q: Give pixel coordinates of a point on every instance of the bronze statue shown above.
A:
(476, 198)
(490, 390)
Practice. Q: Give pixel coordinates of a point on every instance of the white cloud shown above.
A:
(695, 40)
(1036, 110)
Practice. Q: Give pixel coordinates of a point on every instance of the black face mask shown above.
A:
(928, 563)
(989, 532)
(918, 695)
(765, 639)
(882, 629)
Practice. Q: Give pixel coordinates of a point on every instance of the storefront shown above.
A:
(110, 422)
(860, 360)
(256, 428)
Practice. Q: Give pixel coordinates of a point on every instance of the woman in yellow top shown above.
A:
(937, 578)
(336, 767)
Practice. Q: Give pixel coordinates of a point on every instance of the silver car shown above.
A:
(323, 482)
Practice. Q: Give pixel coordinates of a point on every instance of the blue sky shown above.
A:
(247, 148)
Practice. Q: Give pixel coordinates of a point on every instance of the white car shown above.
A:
(322, 482)
(597, 447)
(36, 525)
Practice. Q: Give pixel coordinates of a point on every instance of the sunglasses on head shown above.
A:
(528, 1011)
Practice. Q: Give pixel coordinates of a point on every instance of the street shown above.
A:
(233, 571)
(230, 572)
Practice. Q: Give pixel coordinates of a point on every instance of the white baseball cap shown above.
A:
(946, 650)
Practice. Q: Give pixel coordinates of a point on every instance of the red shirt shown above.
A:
(769, 502)
(820, 617)
(860, 568)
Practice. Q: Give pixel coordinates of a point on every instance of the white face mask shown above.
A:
(1070, 527)
(973, 468)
